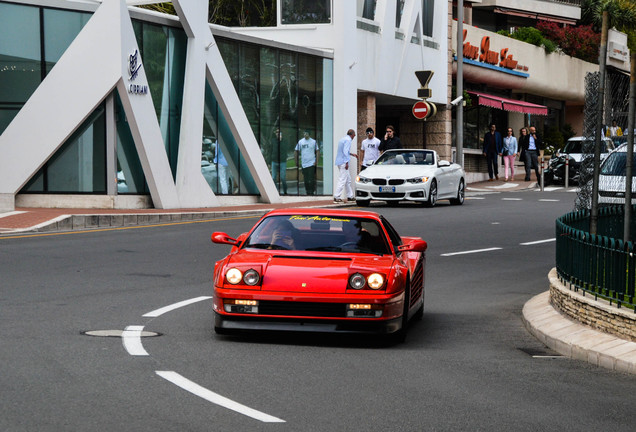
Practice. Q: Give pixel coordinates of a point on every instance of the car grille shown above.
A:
(388, 195)
(383, 182)
(305, 309)
(612, 194)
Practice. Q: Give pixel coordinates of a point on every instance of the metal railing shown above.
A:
(602, 264)
(572, 2)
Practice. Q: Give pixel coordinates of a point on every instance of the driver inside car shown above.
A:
(283, 236)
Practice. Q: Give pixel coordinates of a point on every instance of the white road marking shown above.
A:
(538, 242)
(157, 312)
(549, 200)
(474, 198)
(551, 189)
(471, 251)
(131, 338)
(215, 398)
(512, 199)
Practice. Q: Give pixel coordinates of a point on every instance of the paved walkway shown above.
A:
(556, 331)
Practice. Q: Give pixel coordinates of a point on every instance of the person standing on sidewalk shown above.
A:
(343, 156)
(492, 147)
(531, 147)
(309, 155)
(509, 153)
(370, 149)
(390, 141)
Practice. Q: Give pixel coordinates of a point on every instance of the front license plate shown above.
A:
(387, 188)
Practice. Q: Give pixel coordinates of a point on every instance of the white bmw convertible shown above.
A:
(411, 175)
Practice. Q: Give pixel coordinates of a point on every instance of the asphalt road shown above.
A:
(464, 367)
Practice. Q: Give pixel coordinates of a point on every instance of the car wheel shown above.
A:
(400, 335)
(432, 194)
(363, 203)
(460, 194)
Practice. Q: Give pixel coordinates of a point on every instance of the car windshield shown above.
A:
(406, 158)
(319, 233)
(615, 164)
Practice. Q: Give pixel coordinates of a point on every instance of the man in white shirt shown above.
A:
(343, 156)
(309, 154)
(370, 149)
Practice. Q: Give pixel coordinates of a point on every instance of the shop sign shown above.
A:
(134, 64)
(484, 54)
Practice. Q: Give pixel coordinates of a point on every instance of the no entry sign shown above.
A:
(421, 110)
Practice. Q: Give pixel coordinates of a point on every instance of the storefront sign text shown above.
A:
(134, 64)
(484, 54)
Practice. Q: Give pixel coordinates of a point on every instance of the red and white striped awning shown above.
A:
(509, 104)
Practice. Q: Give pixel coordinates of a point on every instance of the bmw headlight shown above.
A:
(361, 179)
(416, 180)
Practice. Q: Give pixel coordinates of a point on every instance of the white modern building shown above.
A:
(106, 105)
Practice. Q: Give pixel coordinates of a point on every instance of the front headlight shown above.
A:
(375, 281)
(233, 276)
(357, 281)
(251, 277)
(418, 180)
(360, 179)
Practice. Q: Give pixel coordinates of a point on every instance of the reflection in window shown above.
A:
(60, 28)
(20, 66)
(305, 11)
(130, 174)
(78, 166)
(399, 9)
(366, 9)
(427, 17)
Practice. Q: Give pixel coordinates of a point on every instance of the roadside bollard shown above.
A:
(542, 162)
(567, 170)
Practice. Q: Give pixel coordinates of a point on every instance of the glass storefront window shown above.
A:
(20, 52)
(130, 174)
(79, 165)
(305, 12)
(60, 28)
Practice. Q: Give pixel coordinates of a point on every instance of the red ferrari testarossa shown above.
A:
(320, 270)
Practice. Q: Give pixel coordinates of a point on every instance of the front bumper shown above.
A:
(242, 323)
(403, 192)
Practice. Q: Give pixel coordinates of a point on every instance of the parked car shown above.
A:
(611, 180)
(326, 270)
(412, 175)
(577, 149)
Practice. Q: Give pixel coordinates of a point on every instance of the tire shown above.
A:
(461, 190)
(363, 203)
(432, 194)
(400, 335)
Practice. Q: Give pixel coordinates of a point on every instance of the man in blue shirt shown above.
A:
(343, 156)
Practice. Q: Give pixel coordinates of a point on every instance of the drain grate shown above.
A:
(541, 352)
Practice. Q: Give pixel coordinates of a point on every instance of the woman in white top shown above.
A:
(509, 153)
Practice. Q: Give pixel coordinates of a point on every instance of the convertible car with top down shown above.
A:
(320, 270)
(411, 175)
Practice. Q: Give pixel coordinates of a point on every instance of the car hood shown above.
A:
(310, 273)
(397, 171)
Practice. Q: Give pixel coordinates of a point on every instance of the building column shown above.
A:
(366, 118)
(438, 133)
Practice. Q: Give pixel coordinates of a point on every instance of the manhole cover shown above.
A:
(116, 333)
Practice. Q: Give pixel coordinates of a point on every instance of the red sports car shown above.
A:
(320, 270)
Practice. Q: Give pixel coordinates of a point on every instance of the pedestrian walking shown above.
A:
(531, 146)
(369, 149)
(492, 147)
(343, 156)
(390, 141)
(509, 153)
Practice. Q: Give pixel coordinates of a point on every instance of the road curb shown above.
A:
(575, 340)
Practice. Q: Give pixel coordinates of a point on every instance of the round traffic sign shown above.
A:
(421, 109)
